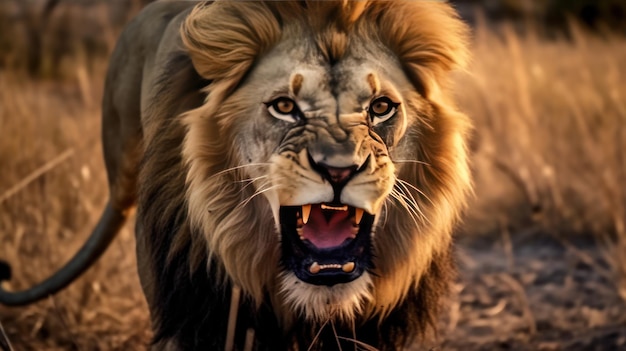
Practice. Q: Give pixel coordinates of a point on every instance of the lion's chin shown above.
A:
(319, 303)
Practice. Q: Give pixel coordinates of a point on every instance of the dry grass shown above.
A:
(550, 135)
(45, 222)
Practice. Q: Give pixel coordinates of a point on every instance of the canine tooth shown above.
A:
(358, 215)
(315, 268)
(335, 208)
(300, 233)
(306, 212)
(348, 267)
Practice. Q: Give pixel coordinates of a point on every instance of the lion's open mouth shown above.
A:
(326, 244)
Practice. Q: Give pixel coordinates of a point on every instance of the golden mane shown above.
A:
(224, 38)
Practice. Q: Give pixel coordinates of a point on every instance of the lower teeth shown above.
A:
(348, 267)
(316, 267)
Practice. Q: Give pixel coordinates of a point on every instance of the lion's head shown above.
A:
(327, 166)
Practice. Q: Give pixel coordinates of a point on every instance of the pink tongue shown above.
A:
(325, 233)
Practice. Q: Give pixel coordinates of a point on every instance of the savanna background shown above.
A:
(541, 254)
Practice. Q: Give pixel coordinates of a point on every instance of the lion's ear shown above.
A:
(224, 38)
(429, 39)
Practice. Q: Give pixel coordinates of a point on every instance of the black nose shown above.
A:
(337, 176)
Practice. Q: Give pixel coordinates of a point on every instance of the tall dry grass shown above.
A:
(53, 186)
(550, 133)
(55, 127)
(550, 139)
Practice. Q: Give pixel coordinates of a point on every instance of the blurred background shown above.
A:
(542, 251)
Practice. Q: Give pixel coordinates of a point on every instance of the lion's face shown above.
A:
(329, 172)
(327, 136)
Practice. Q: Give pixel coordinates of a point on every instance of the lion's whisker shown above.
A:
(405, 184)
(407, 193)
(256, 193)
(409, 203)
(412, 161)
(251, 181)
(401, 202)
(415, 206)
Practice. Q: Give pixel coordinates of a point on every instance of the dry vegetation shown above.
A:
(542, 252)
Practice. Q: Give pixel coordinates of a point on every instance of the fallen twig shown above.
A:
(5, 344)
(36, 174)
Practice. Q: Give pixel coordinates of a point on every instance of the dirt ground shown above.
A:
(535, 292)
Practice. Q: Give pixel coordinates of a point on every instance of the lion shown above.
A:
(297, 168)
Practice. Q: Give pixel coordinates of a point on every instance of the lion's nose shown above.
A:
(338, 175)
(334, 174)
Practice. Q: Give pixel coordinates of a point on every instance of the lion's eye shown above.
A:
(284, 108)
(381, 109)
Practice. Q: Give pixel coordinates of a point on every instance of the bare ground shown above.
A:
(535, 293)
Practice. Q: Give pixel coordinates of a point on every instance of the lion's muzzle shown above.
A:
(327, 243)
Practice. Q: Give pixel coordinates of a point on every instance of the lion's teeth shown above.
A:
(300, 232)
(315, 268)
(348, 267)
(306, 212)
(334, 208)
(358, 215)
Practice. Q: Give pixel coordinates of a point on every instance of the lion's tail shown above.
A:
(108, 226)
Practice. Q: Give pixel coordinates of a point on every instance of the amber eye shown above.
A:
(283, 108)
(382, 108)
